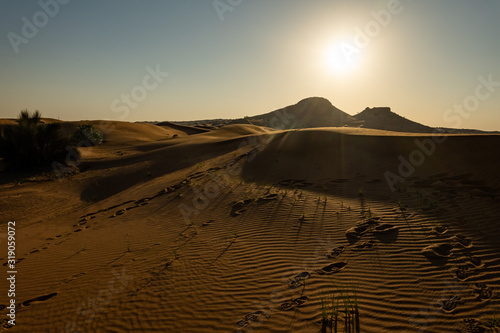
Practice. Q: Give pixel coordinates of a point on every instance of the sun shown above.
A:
(341, 58)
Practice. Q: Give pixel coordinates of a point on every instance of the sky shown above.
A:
(434, 62)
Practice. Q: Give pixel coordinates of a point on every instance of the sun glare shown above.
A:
(340, 59)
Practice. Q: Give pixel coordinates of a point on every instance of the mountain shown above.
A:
(309, 112)
(383, 118)
(319, 112)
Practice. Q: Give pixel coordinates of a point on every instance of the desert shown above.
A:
(246, 228)
(249, 166)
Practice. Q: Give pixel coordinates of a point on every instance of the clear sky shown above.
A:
(234, 58)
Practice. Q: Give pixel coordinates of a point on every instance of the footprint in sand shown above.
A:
(484, 292)
(332, 268)
(365, 245)
(385, 229)
(450, 304)
(462, 241)
(336, 252)
(87, 218)
(240, 207)
(207, 223)
(17, 261)
(164, 191)
(386, 233)
(38, 299)
(84, 221)
(142, 202)
(298, 280)
(462, 272)
(266, 198)
(74, 277)
(120, 212)
(5, 323)
(440, 229)
(476, 261)
(251, 317)
(355, 233)
(438, 251)
(294, 303)
(472, 326)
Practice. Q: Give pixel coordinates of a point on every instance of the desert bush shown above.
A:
(31, 143)
(87, 133)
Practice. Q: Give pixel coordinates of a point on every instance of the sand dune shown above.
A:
(182, 129)
(246, 229)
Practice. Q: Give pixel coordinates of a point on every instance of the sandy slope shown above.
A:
(243, 229)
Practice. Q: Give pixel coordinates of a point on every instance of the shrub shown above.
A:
(87, 133)
(31, 143)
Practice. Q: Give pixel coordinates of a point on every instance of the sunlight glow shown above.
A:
(340, 62)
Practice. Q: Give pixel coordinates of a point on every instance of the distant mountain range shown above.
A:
(319, 112)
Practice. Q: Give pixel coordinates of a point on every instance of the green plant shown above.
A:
(329, 312)
(351, 310)
(492, 321)
(87, 133)
(31, 142)
(368, 213)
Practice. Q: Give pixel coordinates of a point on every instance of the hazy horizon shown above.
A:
(229, 59)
